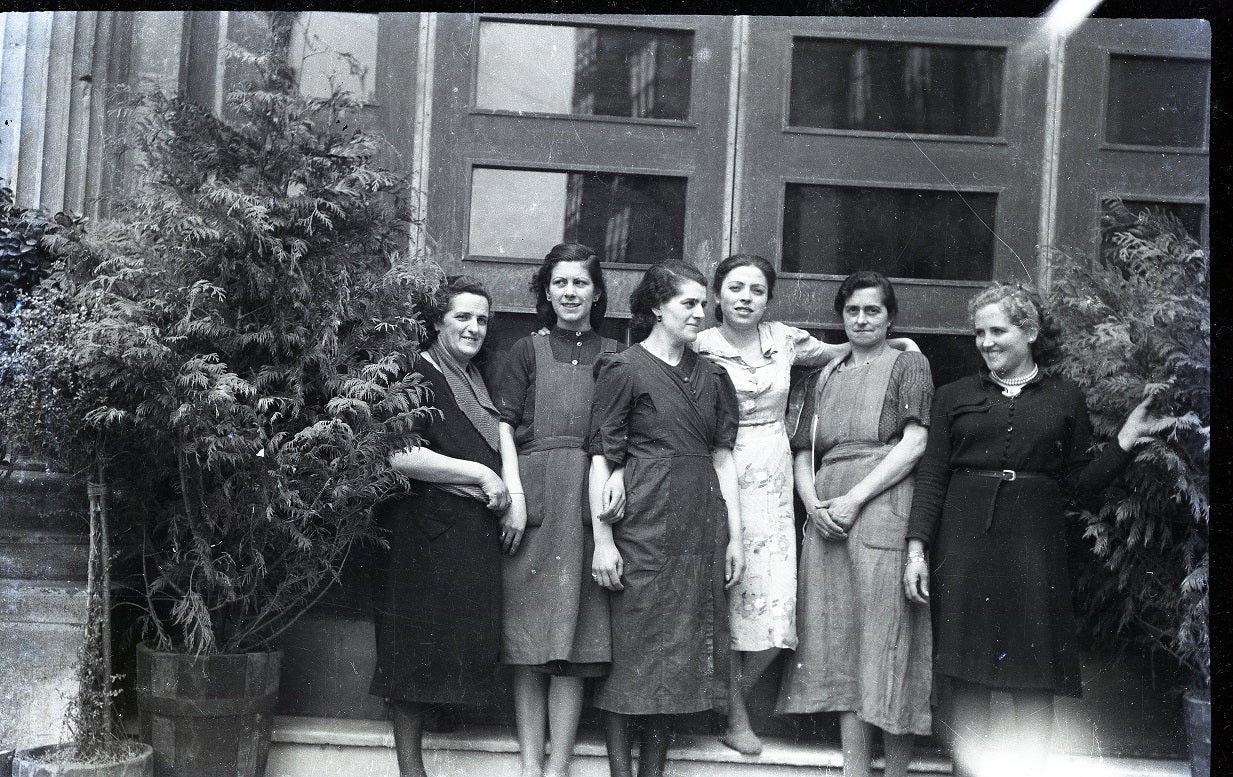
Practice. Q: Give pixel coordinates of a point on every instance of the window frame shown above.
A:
(1151, 53)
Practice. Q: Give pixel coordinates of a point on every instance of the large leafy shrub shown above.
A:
(1137, 319)
(242, 336)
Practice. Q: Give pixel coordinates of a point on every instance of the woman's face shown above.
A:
(571, 293)
(743, 295)
(464, 327)
(682, 315)
(1005, 347)
(865, 319)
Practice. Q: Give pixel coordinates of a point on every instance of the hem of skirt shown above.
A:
(541, 660)
(755, 647)
(920, 728)
(668, 708)
(1072, 691)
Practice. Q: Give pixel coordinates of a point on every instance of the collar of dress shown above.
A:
(721, 346)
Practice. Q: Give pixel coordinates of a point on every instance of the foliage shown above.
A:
(24, 260)
(1137, 320)
(244, 331)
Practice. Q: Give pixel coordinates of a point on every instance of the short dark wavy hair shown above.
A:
(569, 252)
(742, 260)
(439, 305)
(1026, 310)
(867, 279)
(660, 283)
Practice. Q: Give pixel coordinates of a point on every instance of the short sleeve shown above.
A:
(805, 350)
(610, 406)
(909, 397)
(514, 380)
(727, 411)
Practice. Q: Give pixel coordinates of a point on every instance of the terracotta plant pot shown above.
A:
(207, 716)
(29, 763)
(1197, 706)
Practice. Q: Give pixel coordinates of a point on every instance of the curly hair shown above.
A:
(742, 260)
(660, 283)
(1026, 310)
(867, 279)
(436, 307)
(569, 252)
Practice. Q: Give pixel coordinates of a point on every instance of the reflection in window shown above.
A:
(331, 49)
(905, 233)
(1154, 101)
(638, 219)
(599, 71)
(896, 87)
(1190, 214)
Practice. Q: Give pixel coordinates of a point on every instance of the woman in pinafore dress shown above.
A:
(759, 356)
(1007, 449)
(864, 648)
(554, 617)
(669, 417)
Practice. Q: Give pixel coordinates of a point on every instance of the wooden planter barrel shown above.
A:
(1198, 708)
(28, 763)
(207, 716)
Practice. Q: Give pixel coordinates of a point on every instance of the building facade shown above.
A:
(943, 152)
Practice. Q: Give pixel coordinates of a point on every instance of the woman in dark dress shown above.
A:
(438, 588)
(1007, 447)
(554, 617)
(670, 418)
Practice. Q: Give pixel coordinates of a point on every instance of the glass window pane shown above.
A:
(639, 219)
(593, 71)
(896, 87)
(335, 49)
(905, 233)
(1154, 101)
(1189, 213)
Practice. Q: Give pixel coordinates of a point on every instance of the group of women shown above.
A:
(625, 514)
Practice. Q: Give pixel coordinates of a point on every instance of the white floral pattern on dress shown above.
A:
(762, 606)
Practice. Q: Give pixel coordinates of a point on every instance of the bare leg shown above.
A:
(855, 737)
(530, 718)
(653, 754)
(409, 739)
(1033, 728)
(564, 709)
(616, 734)
(898, 752)
(747, 668)
(969, 726)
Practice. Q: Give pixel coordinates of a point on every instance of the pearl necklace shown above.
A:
(1012, 386)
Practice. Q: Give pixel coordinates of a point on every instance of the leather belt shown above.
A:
(1006, 474)
(1002, 476)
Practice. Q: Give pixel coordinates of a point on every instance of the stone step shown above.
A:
(325, 747)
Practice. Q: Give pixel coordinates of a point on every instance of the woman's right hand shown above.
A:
(494, 489)
(916, 579)
(607, 566)
(822, 521)
(613, 497)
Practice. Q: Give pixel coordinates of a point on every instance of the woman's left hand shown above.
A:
(513, 524)
(843, 510)
(1138, 427)
(734, 563)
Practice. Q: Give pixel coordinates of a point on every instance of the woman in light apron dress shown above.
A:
(555, 629)
(864, 649)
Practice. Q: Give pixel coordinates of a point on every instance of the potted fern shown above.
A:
(1137, 319)
(43, 402)
(250, 322)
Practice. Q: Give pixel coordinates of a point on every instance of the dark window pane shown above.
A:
(638, 219)
(896, 87)
(905, 233)
(594, 71)
(1157, 102)
(1189, 213)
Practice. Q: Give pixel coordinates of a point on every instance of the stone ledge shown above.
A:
(339, 733)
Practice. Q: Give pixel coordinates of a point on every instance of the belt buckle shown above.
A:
(1008, 474)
